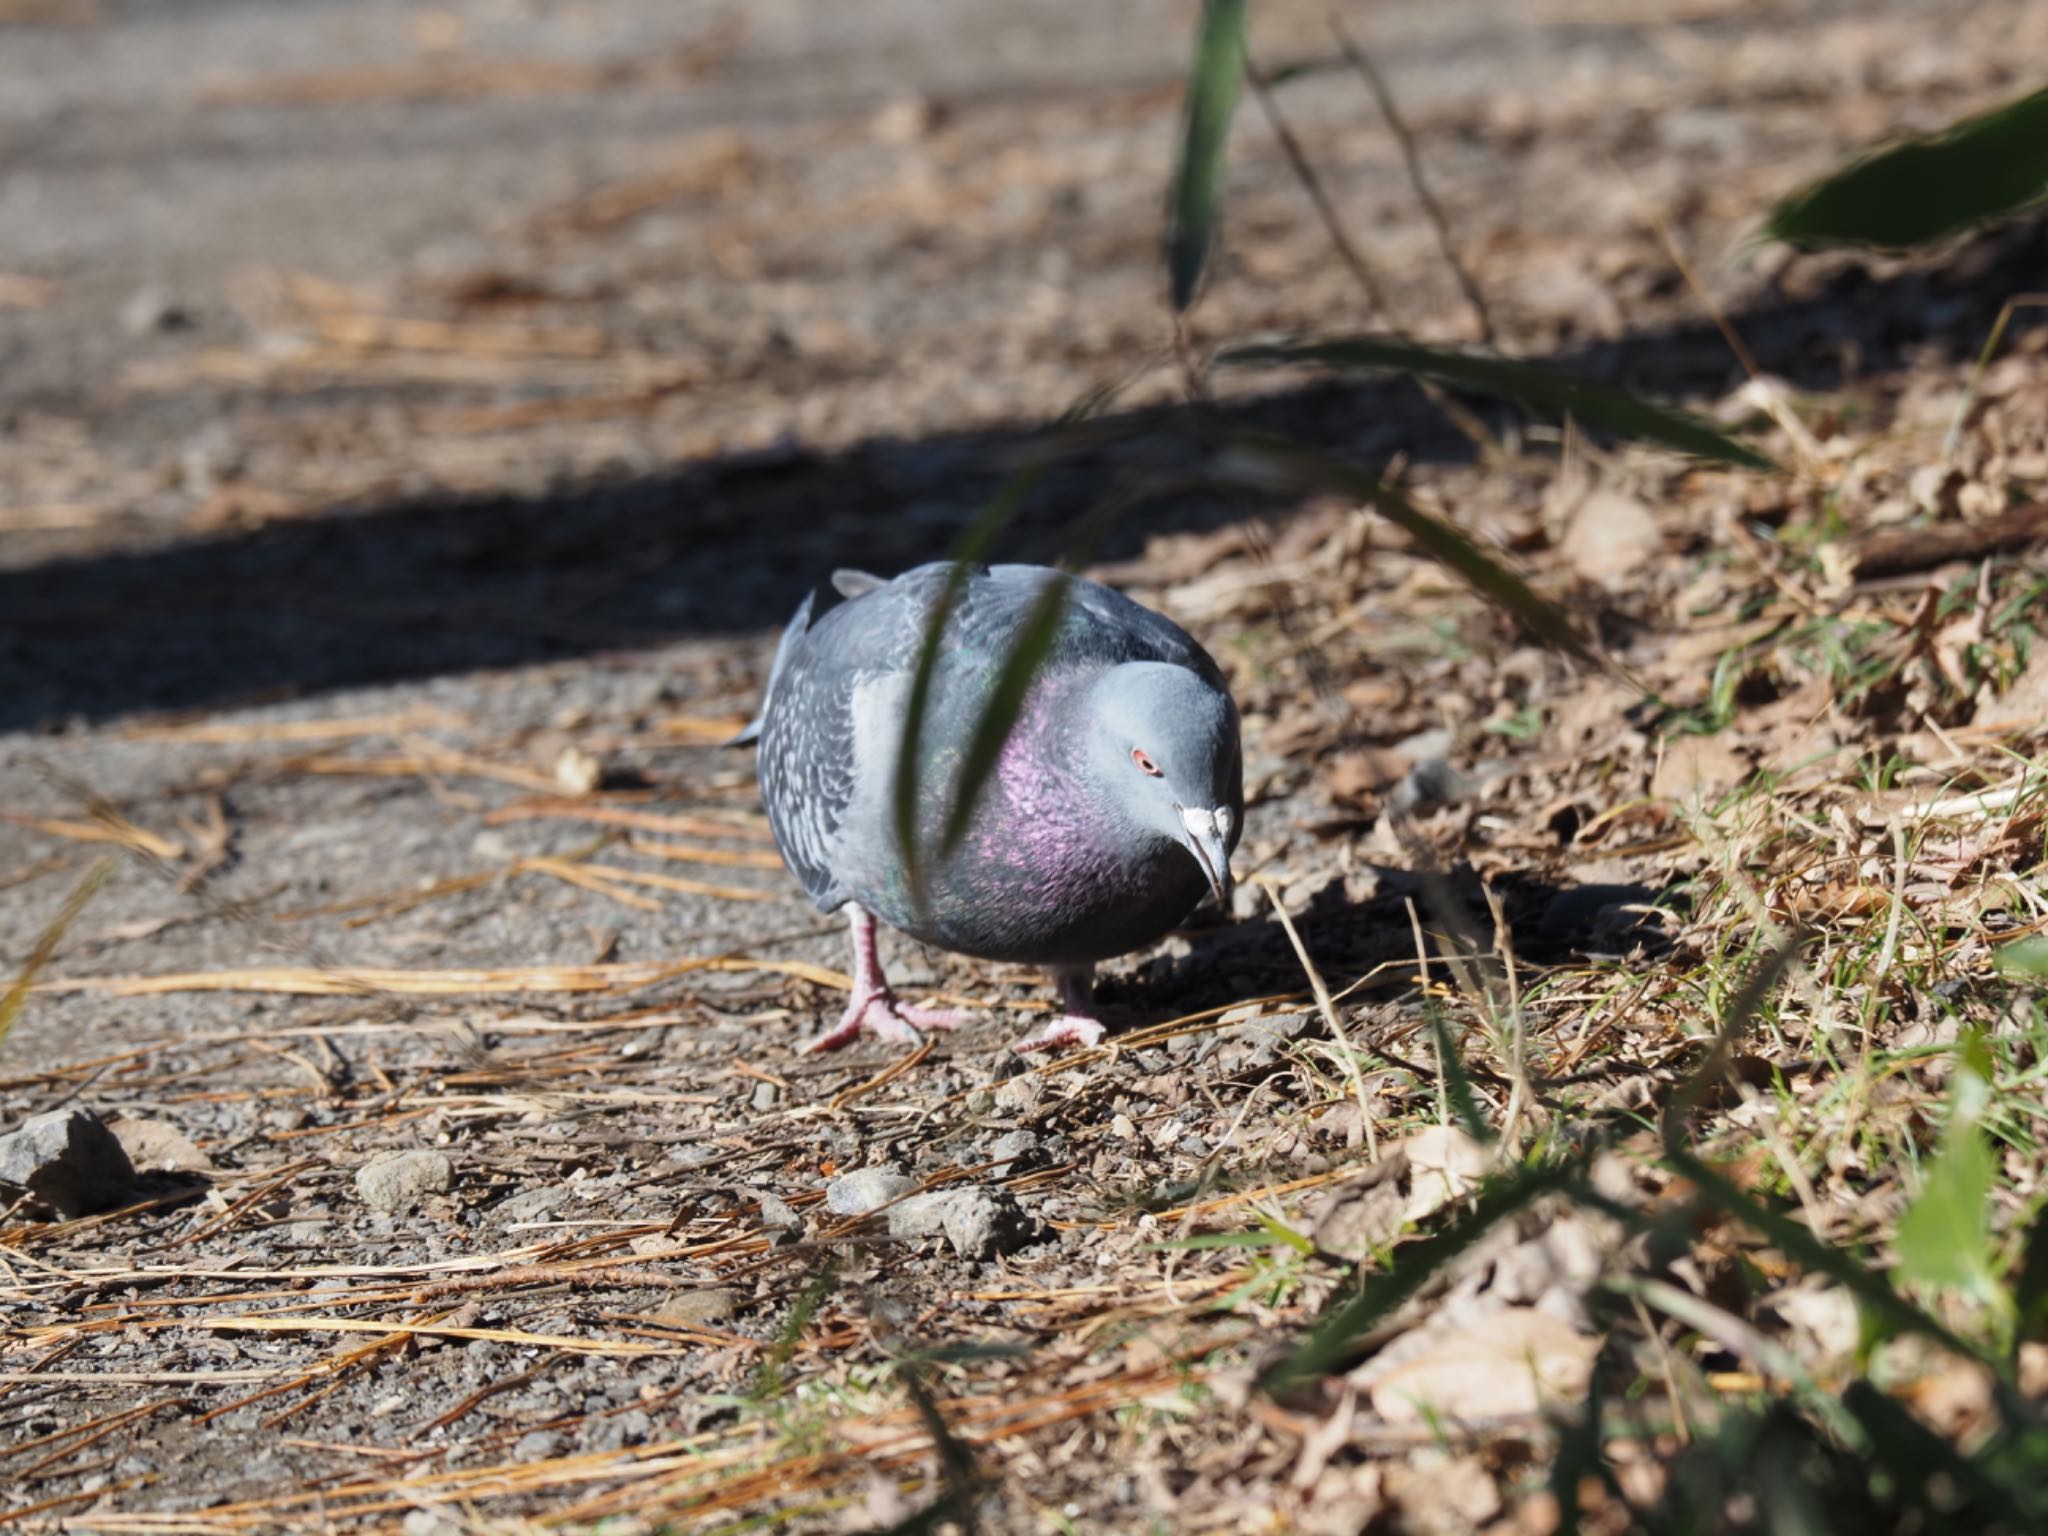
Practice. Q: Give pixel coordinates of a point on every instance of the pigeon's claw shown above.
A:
(880, 1014)
(1068, 1029)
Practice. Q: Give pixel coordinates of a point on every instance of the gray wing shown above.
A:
(806, 765)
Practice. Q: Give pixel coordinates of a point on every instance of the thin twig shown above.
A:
(1412, 158)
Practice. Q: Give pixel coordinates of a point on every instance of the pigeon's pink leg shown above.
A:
(1077, 1023)
(873, 1008)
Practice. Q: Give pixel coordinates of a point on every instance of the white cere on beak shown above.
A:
(1209, 839)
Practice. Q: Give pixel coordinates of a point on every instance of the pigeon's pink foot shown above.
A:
(880, 1014)
(1068, 1029)
(874, 1008)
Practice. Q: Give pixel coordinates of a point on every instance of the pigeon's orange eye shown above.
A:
(1145, 764)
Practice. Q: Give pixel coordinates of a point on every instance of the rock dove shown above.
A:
(1113, 808)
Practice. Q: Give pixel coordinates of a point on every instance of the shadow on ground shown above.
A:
(729, 546)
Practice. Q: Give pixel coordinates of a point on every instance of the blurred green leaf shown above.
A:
(1281, 1232)
(1215, 80)
(1541, 389)
(1270, 464)
(1335, 1336)
(1926, 189)
(1944, 1237)
(2027, 957)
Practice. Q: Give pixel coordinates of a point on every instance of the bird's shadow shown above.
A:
(1360, 946)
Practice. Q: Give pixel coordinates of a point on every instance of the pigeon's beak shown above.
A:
(1208, 839)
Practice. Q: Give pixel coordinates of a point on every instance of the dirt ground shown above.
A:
(417, 422)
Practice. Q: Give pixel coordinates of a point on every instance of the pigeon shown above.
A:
(1113, 809)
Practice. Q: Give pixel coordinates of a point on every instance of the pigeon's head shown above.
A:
(1163, 746)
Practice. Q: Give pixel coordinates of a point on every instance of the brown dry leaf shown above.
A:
(1693, 767)
(1439, 1495)
(1610, 536)
(1444, 1164)
(1360, 776)
(2023, 706)
(1513, 1361)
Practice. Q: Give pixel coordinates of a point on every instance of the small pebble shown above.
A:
(864, 1190)
(398, 1181)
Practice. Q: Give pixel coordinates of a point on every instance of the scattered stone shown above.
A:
(778, 1213)
(539, 1205)
(398, 1181)
(693, 1309)
(157, 1146)
(538, 1446)
(864, 1190)
(69, 1161)
(978, 1221)
(150, 310)
(1011, 1148)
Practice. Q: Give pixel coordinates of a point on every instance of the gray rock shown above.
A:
(778, 1213)
(1010, 1149)
(538, 1446)
(397, 1181)
(978, 1221)
(69, 1161)
(529, 1205)
(864, 1190)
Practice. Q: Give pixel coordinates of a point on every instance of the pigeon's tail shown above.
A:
(798, 623)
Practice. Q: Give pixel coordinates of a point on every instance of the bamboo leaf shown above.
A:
(1215, 80)
(1540, 389)
(1071, 433)
(1925, 189)
(1275, 465)
(1005, 704)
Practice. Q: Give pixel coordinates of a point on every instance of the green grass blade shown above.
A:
(1458, 1082)
(1215, 80)
(1925, 189)
(1736, 1017)
(1270, 464)
(767, 1382)
(1540, 389)
(15, 999)
(1334, 1337)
